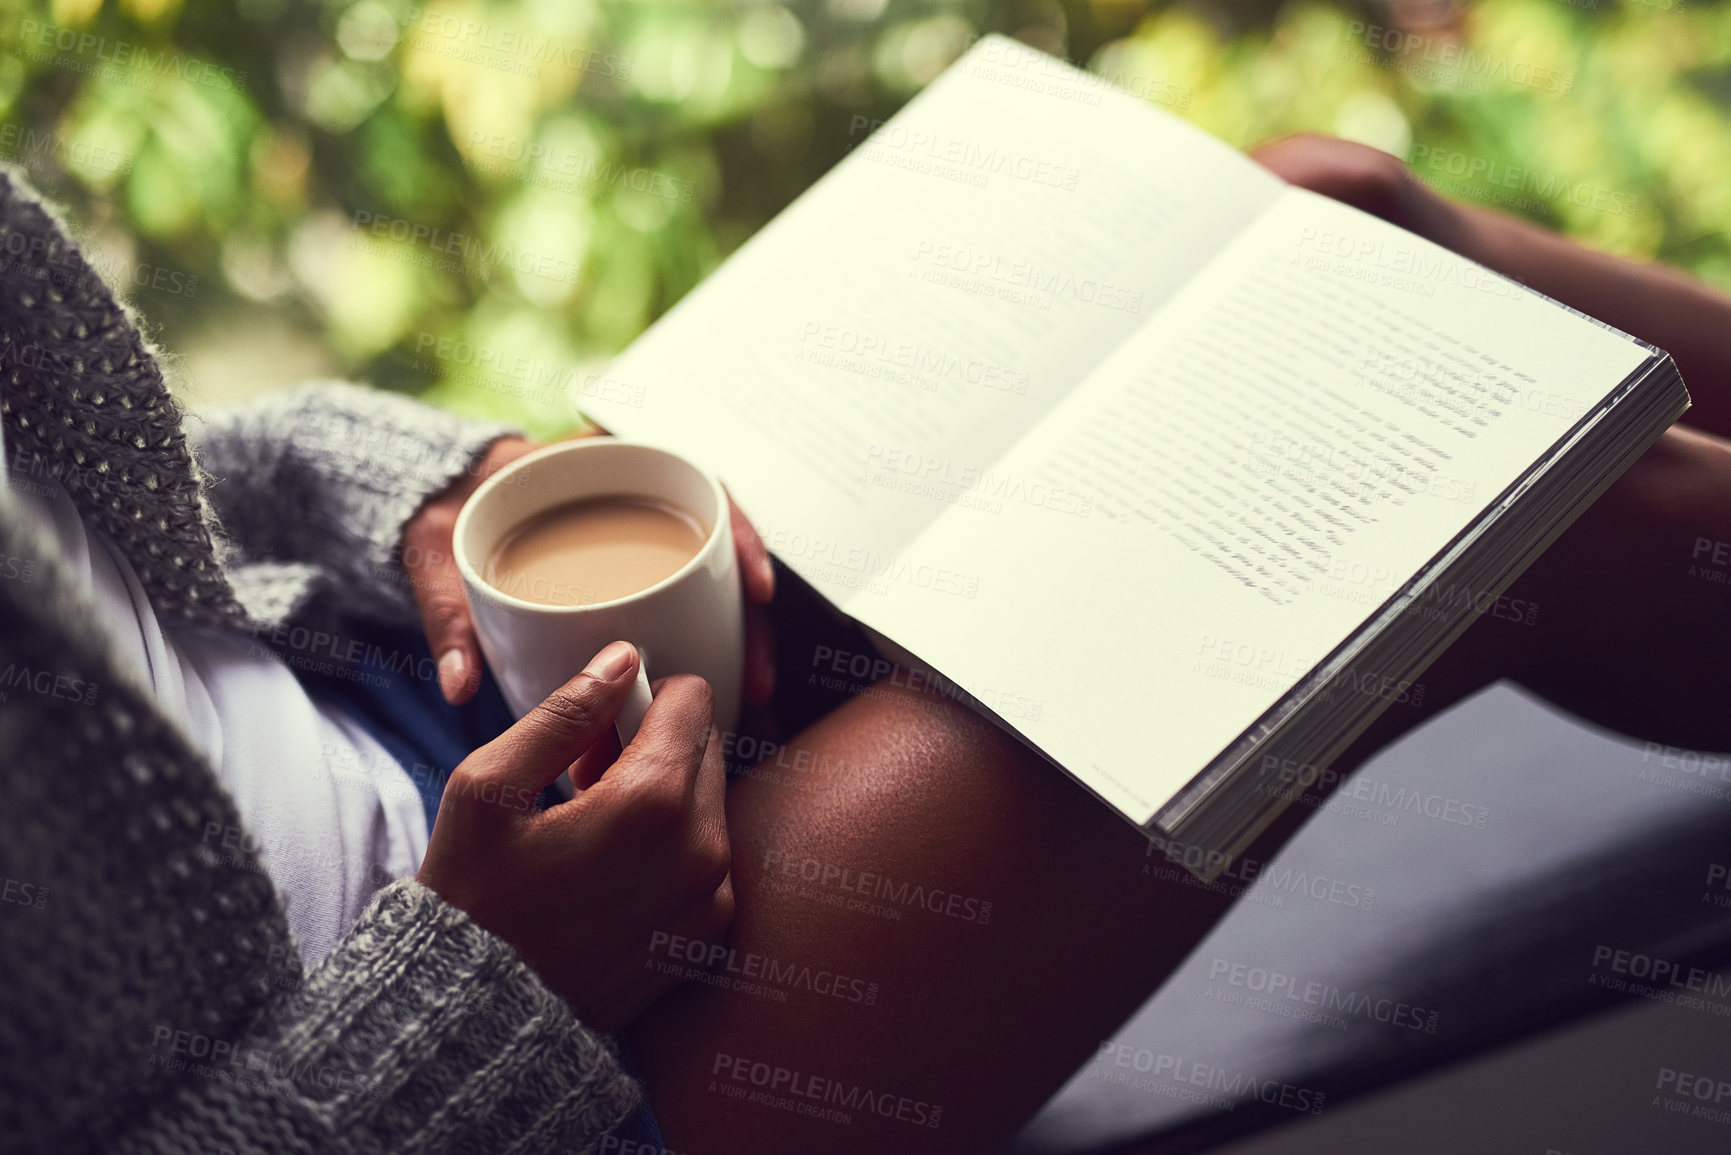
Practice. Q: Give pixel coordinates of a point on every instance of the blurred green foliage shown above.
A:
(471, 199)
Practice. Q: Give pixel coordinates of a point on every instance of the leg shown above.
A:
(987, 1020)
(975, 1009)
(980, 1013)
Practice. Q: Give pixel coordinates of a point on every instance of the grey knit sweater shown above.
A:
(150, 996)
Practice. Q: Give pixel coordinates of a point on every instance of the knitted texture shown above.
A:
(301, 495)
(325, 476)
(374, 1053)
(84, 403)
(151, 998)
(133, 921)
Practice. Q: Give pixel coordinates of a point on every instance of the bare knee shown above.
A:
(906, 851)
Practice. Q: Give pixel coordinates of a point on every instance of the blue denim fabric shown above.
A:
(393, 693)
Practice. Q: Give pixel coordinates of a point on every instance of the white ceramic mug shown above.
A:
(692, 622)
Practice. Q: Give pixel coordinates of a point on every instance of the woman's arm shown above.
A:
(153, 998)
(459, 1013)
(1660, 305)
(314, 486)
(421, 1032)
(1634, 610)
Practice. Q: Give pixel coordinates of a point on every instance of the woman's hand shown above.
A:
(432, 568)
(581, 890)
(430, 561)
(1365, 178)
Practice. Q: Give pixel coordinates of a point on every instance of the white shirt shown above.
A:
(331, 815)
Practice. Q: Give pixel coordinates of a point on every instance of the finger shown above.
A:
(444, 608)
(722, 910)
(708, 923)
(582, 432)
(432, 568)
(1307, 153)
(1367, 178)
(759, 656)
(587, 770)
(644, 993)
(549, 738)
(1342, 169)
(502, 453)
(711, 793)
(756, 572)
(673, 737)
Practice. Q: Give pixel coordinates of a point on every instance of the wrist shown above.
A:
(489, 459)
(499, 452)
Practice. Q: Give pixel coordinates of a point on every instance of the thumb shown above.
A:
(544, 742)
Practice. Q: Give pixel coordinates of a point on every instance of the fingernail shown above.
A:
(610, 663)
(453, 673)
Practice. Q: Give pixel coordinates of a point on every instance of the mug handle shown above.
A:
(637, 705)
(630, 718)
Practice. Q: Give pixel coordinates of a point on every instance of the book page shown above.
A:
(860, 365)
(1285, 445)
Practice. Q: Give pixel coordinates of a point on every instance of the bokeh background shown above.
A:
(471, 200)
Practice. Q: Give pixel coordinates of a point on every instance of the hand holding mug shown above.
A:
(430, 561)
(581, 889)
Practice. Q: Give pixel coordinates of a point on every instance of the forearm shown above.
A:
(325, 478)
(1633, 608)
(1660, 305)
(1630, 613)
(1635, 612)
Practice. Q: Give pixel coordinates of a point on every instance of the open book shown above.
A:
(1186, 474)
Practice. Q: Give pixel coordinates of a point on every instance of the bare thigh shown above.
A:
(934, 930)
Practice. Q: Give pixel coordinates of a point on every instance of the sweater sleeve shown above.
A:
(152, 998)
(309, 489)
(312, 488)
(421, 1032)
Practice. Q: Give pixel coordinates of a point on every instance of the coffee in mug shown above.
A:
(539, 546)
(594, 550)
